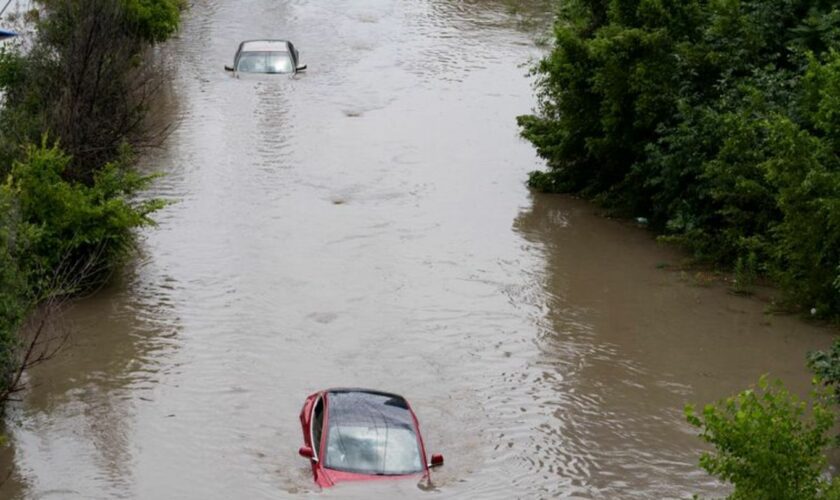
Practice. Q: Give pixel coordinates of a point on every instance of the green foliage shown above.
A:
(74, 227)
(17, 119)
(745, 273)
(11, 67)
(13, 289)
(718, 121)
(151, 21)
(767, 443)
(545, 182)
(59, 237)
(154, 20)
(826, 366)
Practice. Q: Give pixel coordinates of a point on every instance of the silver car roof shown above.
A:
(265, 46)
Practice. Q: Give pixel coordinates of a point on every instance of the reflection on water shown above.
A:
(352, 226)
(82, 403)
(623, 348)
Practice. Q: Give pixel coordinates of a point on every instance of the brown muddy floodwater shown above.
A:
(366, 224)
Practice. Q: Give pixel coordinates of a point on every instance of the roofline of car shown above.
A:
(362, 389)
(243, 42)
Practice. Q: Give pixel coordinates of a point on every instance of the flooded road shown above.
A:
(366, 224)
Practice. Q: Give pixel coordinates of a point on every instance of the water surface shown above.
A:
(366, 224)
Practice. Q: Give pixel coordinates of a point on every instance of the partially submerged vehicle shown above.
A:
(266, 57)
(361, 434)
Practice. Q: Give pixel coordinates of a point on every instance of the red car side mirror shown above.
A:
(437, 460)
(306, 452)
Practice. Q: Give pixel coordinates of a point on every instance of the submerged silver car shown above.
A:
(267, 57)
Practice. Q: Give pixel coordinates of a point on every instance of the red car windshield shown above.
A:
(371, 433)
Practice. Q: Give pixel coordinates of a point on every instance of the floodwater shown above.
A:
(366, 224)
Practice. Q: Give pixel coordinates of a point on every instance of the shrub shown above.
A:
(826, 365)
(74, 229)
(767, 443)
(14, 294)
(717, 121)
(150, 21)
(153, 20)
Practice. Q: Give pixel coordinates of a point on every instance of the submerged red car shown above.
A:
(362, 435)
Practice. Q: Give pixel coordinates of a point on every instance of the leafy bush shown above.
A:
(767, 443)
(154, 20)
(826, 366)
(59, 237)
(717, 121)
(13, 290)
(150, 21)
(74, 228)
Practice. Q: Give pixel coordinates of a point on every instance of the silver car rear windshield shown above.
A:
(371, 433)
(265, 62)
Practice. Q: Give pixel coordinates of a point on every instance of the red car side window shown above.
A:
(317, 425)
